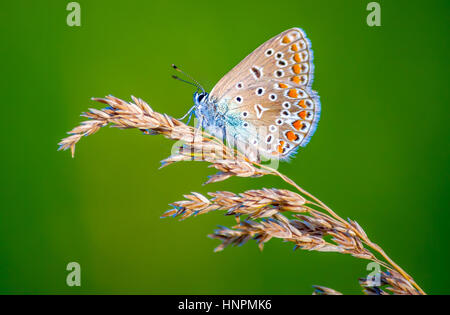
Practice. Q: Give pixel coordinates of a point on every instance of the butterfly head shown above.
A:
(200, 99)
(201, 108)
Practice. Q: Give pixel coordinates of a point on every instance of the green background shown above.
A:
(380, 155)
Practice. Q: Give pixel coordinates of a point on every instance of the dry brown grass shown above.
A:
(299, 218)
(319, 290)
(197, 145)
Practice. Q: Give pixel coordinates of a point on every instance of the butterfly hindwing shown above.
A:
(268, 97)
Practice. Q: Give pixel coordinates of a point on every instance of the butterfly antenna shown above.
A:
(194, 83)
(185, 81)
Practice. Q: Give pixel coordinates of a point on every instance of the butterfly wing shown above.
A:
(268, 97)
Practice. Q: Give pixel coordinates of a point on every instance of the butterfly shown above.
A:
(265, 105)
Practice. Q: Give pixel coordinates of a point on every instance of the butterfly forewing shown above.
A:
(268, 97)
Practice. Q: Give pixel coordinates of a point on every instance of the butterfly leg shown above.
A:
(189, 112)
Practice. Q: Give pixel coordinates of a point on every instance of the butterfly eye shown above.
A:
(201, 97)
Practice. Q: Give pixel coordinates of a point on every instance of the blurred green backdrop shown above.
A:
(380, 155)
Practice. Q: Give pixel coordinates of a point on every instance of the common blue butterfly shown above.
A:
(265, 105)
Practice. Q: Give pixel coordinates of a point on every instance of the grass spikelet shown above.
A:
(298, 217)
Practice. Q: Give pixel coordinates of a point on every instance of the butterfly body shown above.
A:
(265, 106)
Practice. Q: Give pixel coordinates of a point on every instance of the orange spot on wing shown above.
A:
(302, 104)
(293, 93)
(280, 149)
(282, 85)
(296, 79)
(297, 58)
(296, 69)
(297, 124)
(286, 40)
(302, 114)
(294, 47)
(291, 136)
